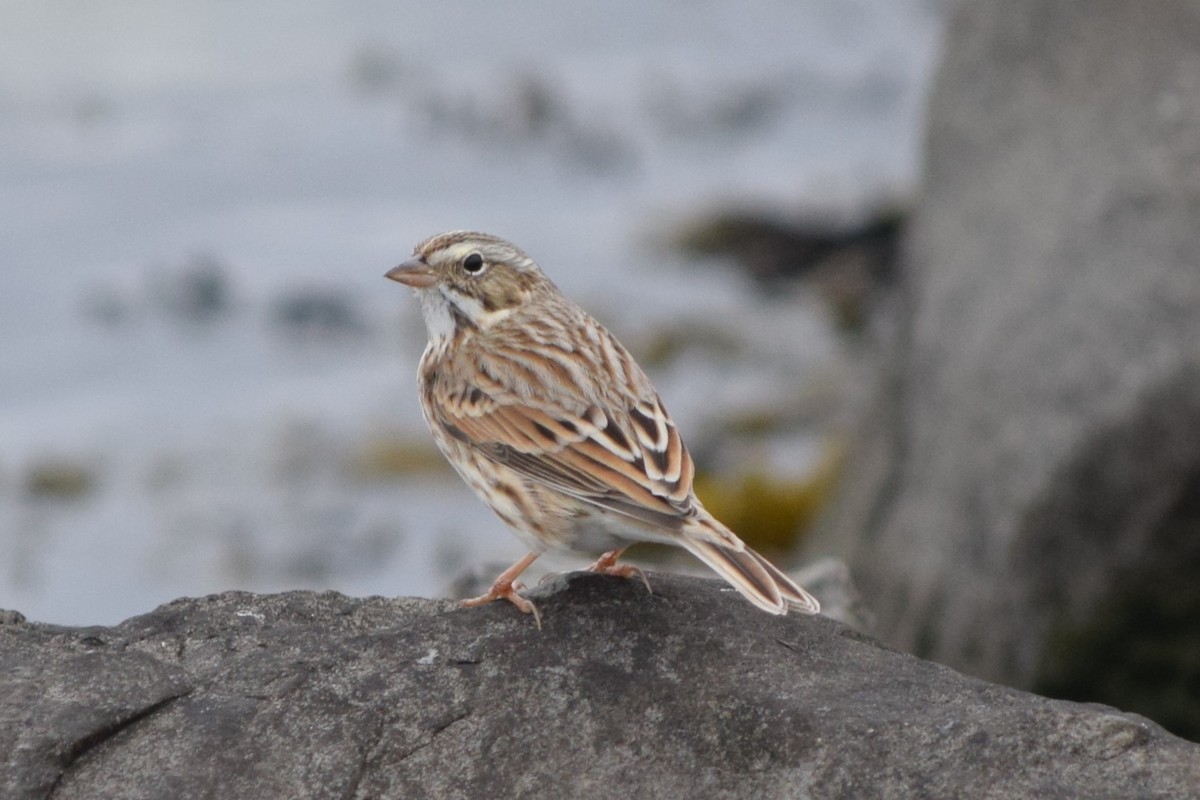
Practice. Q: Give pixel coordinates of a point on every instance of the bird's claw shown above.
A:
(607, 565)
(506, 591)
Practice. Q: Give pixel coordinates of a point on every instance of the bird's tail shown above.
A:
(760, 581)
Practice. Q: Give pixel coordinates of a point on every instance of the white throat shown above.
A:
(439, 323)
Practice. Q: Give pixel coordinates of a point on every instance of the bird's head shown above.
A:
(465, 278)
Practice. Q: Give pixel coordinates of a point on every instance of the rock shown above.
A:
(198, 290)
(59, 478)
(9, 617)
(830, 580)
(1028, 474)
(318, 313)
(849, 258)
(772, 248)
(689, 692)
(827, 578)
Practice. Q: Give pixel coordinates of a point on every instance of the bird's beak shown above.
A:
(415, 273)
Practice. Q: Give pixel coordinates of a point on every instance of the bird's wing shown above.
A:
(617, 449)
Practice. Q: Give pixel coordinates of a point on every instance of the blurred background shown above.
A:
(205, 381)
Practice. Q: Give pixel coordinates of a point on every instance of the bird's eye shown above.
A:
(473, 263)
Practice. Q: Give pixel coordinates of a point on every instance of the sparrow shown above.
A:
(551, 422)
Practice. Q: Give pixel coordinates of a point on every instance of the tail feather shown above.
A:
(791, 591)
(742, 570)
(760, 581)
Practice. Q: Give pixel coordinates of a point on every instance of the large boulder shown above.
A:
(689, 692)
(1023, 501)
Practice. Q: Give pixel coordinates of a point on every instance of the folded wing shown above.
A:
(614, 447)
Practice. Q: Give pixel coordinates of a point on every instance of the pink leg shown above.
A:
(607, 564)
(503, 588)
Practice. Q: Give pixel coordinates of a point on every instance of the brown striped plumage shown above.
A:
(555, 426)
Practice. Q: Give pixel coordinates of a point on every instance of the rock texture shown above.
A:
(686, 693)
(1030, 473)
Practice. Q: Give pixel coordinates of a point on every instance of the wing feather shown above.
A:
(614, 446)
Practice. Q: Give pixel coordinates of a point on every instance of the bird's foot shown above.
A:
(505, 588)
(607, 565)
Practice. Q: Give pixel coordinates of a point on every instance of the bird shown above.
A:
(554, 425)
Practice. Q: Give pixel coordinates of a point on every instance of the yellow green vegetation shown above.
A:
(771, 513)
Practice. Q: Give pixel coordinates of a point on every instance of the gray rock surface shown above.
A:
(686, 693)
(1031, 466)
(827, 578)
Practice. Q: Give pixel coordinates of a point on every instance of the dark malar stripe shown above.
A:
(461, 320)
